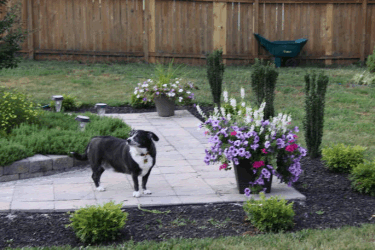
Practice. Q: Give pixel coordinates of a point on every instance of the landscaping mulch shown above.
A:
(330, 203)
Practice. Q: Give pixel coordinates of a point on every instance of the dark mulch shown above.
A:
(330, 203)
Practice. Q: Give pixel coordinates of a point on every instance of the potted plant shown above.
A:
(165, 90)
(257, 148)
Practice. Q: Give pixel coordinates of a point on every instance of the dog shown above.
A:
(135, 156)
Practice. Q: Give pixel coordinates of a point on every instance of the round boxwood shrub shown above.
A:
(342, 159)
(363, 178)
(94, 224)
(271, 215)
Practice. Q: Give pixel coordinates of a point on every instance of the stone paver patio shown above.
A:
(179, 177)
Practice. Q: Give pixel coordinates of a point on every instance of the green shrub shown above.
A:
(371, 62)
(363, 178)
(342, 159)
(12, 151)
(58, 133)
(313, 122)
(69, 103)
(215, 74)
(15, 109)
(263, 83)
(366, 78)
(94, 224)
(271, 215)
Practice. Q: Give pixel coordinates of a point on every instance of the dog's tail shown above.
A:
(79, 156)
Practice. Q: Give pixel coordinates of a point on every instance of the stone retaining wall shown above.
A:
(39, 165)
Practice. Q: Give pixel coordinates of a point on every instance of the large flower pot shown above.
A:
(244, 174)
(164, 106)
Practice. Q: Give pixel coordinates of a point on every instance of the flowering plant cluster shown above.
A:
(242, 134)
(176, 89)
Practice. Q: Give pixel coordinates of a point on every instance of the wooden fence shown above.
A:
(341, 31)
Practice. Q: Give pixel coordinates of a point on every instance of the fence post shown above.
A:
(220, 27)
(30, 36)
(364, 20)
(149, 31)
(329, 33)
(255, 28)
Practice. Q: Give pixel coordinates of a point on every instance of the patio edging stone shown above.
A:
(39, 165)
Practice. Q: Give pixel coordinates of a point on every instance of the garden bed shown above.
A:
(330, 203)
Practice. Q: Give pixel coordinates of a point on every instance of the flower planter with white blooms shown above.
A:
(239, 135)
(164, 95)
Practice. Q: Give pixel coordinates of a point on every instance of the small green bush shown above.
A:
(363, 178)
(215, 74)
(69, 103)
(371, 62)
(15, 109)
(12, 151)
(94, 224)
(271, 215)
(342, 159)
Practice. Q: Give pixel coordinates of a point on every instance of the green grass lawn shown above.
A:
(349, 114)
(349, 119)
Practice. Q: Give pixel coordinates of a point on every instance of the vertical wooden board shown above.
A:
(69, 28)
(119, 30)
(105, 26)
(123, 23)
(239, 28)
(170, 26)
(158, 30)
(371, 8)
(230, 42)
(36, 23)
(247, 27)
(89, 20)
(61, 24)
(140, 25)
(220, 22)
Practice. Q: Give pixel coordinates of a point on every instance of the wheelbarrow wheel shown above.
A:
(291, 62)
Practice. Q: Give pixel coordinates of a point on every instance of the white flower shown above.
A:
(261, 130)
(141, 91)
(243, 104)
(180, 99)
(180, 90)
(172, 94)
(188, 92)
(145, 85)
(135, 92)
(138, 96)
(228, 117)
(174, 85)
(225, 94)
(242, 93)
(149, 80)
(233, 102)
(177, 81)
(222, 111)
(164, 85)
(200, 111)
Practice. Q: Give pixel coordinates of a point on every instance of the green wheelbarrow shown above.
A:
(282, 49)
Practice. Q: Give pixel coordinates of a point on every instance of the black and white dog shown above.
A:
(135, 156)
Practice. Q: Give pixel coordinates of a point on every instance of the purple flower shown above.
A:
(237, 143)
(254, 146)
(280, 143)
(235, 153)
(157, 93)
(247, 154)
(266, 174)
(296, 129)
(265, 123)
(145, 99)
(303, 151)
(235, 160)
(267, 144)
(215, 139)
(241, 152)
(256, 139)
(247, 192)
(215, 123)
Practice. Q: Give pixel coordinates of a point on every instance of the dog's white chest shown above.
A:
(143, 159)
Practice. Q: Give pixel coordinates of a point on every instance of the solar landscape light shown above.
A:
(83, 120)
(58, 102)
(101, 108)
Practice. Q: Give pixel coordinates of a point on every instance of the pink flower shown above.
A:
(258, 164)
(205, 132)
(264, 150)
(233, 133)
(224, 166)
(295, 136)
(291, 148)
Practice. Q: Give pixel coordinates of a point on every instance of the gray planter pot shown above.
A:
(164, 106)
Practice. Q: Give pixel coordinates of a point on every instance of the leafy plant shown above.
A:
(315, 90)
(94, 224)
(365, 78)
(271, 215)
(69, 103)
(363, 178)
(12, 151)
(263, 82)
(215, 74)
(341, 158)
(10, 43)
(371, 62)
(15, 108)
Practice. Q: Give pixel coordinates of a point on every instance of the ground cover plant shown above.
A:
(331, 202)
(56, 133)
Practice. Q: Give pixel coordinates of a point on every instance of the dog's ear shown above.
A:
(151, 135)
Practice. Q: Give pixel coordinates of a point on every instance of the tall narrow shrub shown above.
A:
(263, 83)
(315, 90)
(215, 73)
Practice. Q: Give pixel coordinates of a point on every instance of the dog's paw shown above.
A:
(100, 189)
(136, 194)
(147, 191)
